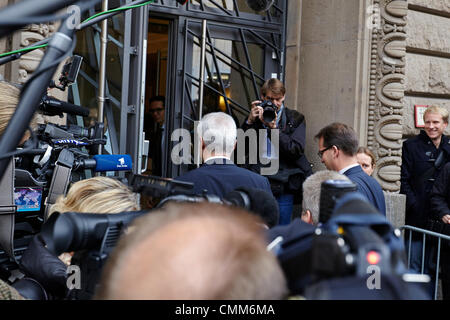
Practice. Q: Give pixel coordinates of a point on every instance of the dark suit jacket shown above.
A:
(368, 186)
(222, 176)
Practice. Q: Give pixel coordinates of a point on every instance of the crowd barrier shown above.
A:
(433, 235)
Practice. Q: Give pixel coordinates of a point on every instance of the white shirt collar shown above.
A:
(217, 157)
(348, 167)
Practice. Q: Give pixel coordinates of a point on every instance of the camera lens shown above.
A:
(269, 111)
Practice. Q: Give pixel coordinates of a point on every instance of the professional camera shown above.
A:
(269, 110)
(49, 161)
(93, 236)
(336, 259)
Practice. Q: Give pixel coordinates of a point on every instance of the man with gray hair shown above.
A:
(311, 194)
(310, 206)
(219, 175)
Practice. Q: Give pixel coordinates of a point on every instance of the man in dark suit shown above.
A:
(338, 145)
(219, 175)
(154, 132)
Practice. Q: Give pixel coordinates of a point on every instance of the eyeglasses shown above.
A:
(156, 110)
(321, 152)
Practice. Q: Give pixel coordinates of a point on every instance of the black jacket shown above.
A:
(440, 194)
(291, 152)
(417, 175)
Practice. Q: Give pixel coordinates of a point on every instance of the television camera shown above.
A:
(49, 161)
(352, 245)
(93, 236)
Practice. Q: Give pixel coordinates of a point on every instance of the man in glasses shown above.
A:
(338, 145)
(154, 132)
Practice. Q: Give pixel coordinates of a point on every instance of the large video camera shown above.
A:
(352, 243)
(49, 161)
(93, 236)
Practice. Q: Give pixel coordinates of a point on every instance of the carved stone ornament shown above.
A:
(387, 90)
(29, 35)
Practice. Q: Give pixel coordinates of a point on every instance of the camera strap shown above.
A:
(7, 210)
(60, 179)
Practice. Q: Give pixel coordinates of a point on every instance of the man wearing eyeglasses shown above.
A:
(338, 145)
(154, 132)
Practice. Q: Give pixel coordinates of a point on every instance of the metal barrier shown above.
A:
(425, 232)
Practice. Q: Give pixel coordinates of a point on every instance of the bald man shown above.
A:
(193, 251)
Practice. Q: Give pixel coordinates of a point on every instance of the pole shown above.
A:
(102, 71)
(202, 82)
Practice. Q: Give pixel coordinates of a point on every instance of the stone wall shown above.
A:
(427, 58)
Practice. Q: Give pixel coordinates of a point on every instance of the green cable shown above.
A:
(117, 9)
(21, 50)
(90, 18)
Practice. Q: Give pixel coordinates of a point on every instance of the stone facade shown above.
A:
(427, 59)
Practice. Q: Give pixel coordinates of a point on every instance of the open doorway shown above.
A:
(155, 92)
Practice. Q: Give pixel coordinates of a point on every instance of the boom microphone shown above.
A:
(258, 201)
(106, 162)
(52, 106)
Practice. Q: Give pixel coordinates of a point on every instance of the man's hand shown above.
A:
(446, 218)
(255, 113)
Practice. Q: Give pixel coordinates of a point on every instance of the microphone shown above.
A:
(52, 106)
(258, 201)
(106, 162)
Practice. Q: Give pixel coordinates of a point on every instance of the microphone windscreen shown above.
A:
(263, 204)
(113, 162)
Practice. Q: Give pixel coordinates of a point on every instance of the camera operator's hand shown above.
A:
(39, 263)
(256, 112)
(446, 218)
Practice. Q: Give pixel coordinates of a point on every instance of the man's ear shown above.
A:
(307, 217)
(202, 144)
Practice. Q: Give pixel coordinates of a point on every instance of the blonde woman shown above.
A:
(97, 195)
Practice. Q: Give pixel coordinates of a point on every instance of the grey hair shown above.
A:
(218, 131)
(311, 191)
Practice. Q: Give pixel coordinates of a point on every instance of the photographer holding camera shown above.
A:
(270, 113)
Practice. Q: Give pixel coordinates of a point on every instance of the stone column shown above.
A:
(387, 90)
(333, 67)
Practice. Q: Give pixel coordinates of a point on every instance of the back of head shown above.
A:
(311, 191)
(97, 195)
(193, 251)
(218, 131)
(340, 135)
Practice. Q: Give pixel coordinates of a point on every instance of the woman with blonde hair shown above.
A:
(93, 195)
(97, 195)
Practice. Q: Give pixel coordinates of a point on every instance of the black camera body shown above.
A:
(351, 240)
(269, 110)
